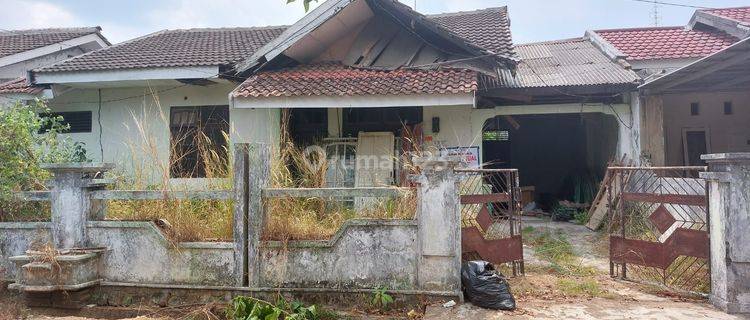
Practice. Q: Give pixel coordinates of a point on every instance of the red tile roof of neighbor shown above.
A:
(739, 14)
(334, 79)
(17, 41)
(666, 42)
(19, 86)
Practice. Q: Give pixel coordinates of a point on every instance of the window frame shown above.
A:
(203, 122)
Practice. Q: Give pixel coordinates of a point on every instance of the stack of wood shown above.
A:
(609, 189)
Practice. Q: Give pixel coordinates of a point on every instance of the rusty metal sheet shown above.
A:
(683, 199)
(643, 253)
(496, 250)
(483, 218)
(683, 242)
(485, 198)
(662, 219)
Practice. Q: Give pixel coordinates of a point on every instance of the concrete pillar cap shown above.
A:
(82, 167)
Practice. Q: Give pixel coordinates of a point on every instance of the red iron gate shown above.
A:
(659, 226)
(491, 217)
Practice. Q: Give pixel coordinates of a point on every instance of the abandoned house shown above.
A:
(373, 80)
(24, 50)
(675, 129)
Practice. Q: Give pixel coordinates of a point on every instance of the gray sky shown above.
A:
(532, 20)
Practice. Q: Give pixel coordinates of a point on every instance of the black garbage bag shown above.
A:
(485, 287)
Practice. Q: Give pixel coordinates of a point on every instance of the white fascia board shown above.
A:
(71, 77)
(661, 63)
(354, 101)
(60, 46)
(295, 32)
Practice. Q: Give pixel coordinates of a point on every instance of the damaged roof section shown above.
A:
(335, 79)
(20, 86)
(565, 63)
(385, 34)
(563, 68)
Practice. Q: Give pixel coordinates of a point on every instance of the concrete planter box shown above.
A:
(70, 271)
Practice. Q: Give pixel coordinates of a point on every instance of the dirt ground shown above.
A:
(539, 294)
(546, 294)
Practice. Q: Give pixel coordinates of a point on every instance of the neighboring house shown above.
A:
(24, 50)
(669, 125)
(713, 97)
(132, 97)
(364, 79)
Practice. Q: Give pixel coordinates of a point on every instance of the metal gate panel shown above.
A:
(659, 226)
(491, 216)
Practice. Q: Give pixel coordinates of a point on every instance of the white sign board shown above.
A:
(469, 155)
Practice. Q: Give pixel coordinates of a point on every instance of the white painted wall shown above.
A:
(135, 133)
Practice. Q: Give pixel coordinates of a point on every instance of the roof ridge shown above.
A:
(727, 8)
(641, 29)
(574, 39)
(226, 28)
(448, 14)
(51, 30)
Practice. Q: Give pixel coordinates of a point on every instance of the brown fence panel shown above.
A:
(658, 223)
(491, 217)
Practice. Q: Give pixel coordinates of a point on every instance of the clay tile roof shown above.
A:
(562, 63)
(666, 42)
(334, 79)
(174, 48)
(487, 28)
(19, 85)
(17, 41)
(740, 14)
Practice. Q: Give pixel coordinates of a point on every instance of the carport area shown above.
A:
(558, 156)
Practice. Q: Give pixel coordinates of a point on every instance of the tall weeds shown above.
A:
(317, 218)
(188, 220)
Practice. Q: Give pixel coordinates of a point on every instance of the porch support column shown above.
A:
(439, 222)
(729, 219)
(70, 202)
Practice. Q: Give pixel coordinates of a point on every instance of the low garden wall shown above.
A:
(413, 257)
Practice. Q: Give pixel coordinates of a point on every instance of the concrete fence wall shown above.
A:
(421, 255)
(729, 221)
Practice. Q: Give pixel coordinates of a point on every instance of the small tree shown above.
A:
(29, 136)
(305, 3)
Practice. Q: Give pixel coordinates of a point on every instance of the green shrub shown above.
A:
(30, 138)
(249, 308)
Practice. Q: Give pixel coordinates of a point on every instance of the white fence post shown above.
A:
(439, 222)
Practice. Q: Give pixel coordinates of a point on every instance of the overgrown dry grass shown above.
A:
(188, 220)
(199, 220)
(318, 218)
